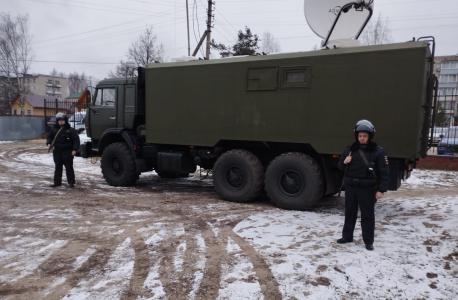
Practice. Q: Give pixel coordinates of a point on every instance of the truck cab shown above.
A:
(117, 106)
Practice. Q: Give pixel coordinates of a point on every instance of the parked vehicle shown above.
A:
(77, 121)
(438, 134)
(51, 122)
(277, 121)
(449, 143)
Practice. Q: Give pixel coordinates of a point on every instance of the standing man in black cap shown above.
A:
(366, 180)
(65, 142)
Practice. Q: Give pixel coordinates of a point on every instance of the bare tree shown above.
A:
(376, 33)
(125, 68)
(269, 43)
(77, 82)
(142, 52)
(15, 58)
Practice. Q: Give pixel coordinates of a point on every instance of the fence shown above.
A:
(445, 134)
(21, 128)
(75, 112)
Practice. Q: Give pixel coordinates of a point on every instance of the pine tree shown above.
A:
(247, 44)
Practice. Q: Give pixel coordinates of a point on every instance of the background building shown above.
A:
(47, 85)
(34, 105)
(446, 69)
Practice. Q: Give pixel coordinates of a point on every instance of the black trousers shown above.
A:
(364, 197)
(63, 158)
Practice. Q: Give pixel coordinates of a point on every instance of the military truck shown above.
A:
(275, 122)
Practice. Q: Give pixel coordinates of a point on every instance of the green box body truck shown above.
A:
(274, 122)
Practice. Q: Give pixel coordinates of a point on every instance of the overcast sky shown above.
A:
(92, 36)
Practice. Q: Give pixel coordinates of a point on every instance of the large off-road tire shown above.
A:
(294, 181)
(238, 176)
(118, 165)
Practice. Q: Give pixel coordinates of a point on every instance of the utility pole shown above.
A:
(209, 27)
(207, 33)
(187, 18)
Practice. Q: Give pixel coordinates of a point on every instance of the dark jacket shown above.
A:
(67, 139)
(359, 174)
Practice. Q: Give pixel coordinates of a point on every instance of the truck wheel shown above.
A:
(294, 181)
(238, 176)
(118, 165)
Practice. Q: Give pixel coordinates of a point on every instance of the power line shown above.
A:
(105, 36)
(67, 62)
(198, 29)
(108, 27)
(69, 5)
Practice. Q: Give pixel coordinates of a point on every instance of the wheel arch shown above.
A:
(116, 135)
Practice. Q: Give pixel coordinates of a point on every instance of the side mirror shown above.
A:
(88, 97)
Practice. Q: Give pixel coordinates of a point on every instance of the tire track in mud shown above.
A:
(191, 204)
(269, 285)
(210, 284)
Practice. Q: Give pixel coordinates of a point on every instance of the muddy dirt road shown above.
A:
(160, 239)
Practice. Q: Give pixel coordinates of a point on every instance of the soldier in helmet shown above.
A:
(65, 142)
(366, 180)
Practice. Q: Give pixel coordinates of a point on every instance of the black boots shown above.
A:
(344, 240)
(70, 185)
(369, 247)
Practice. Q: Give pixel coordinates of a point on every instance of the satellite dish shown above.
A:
(337, 19)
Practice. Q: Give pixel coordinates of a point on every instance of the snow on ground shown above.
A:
(431, 178)
(238, 280)
(415, 254)
(153, 236)
(84, 138)
(415, 240)
(5, 142)
(109, 282)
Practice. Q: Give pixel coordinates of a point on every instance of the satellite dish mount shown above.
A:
(358, 6)
(338, 22)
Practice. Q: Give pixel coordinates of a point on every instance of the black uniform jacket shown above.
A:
(359, 174)
(67, 139)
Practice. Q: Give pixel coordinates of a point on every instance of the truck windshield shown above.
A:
(76, 118)
(105, 97)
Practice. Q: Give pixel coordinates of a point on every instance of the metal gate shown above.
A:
(75, 111)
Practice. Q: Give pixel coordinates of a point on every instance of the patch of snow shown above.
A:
(84, 138)
(27, 265)
(178, 259)
(214, 228)
(305, 259)
(110, 282)
(238, 278)
(200, 266)
(80, 260)
(152, 282)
